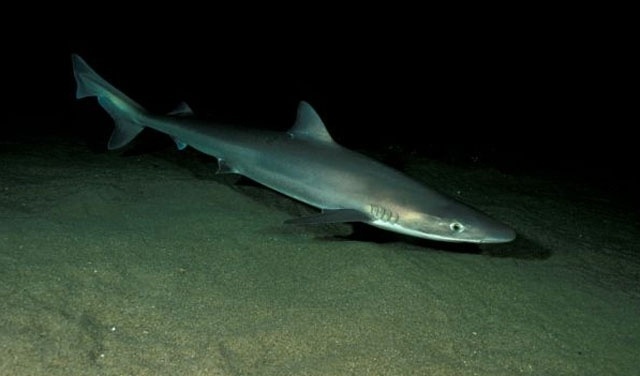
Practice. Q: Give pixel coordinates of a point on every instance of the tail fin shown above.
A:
(127, 114)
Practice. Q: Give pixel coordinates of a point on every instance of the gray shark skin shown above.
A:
(305, 164)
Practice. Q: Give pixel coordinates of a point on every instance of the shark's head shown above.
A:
(448, 221)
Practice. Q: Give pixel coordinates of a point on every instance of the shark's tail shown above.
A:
(127, 114)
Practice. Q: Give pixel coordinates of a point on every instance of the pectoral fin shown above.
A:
(331, 216)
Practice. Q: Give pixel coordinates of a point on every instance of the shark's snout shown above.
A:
(502, 234)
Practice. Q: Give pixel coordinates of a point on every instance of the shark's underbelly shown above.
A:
(313, 179)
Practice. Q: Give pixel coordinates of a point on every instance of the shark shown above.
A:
(306, 164)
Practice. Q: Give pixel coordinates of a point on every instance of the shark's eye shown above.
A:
(456, 227)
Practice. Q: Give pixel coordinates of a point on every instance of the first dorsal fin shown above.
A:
(182, 109)
(309, 125)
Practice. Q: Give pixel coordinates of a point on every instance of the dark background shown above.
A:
(522, 99)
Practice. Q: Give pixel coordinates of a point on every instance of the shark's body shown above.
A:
(306, 164)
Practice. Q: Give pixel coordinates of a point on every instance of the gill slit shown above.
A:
(383, 214)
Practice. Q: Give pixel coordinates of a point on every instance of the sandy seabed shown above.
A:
(152, 265)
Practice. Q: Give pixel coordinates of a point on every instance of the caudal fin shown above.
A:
(126, 113)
